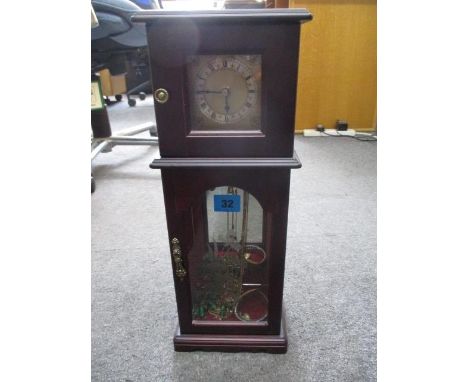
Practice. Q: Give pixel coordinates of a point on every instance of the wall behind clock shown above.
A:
(338, 64)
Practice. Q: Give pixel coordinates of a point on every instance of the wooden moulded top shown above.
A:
(294, 15)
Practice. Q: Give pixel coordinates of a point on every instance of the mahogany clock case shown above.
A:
(228, 265)
(176, 36)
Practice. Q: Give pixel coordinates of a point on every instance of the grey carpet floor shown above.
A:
(330, 284)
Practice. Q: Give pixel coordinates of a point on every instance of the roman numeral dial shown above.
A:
(226, 89)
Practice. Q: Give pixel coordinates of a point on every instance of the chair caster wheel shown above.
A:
(153, 132)
(142, 96)
(131, 102)
(118, 97)
(93, 185)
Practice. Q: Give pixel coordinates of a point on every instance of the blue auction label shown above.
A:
(227, 203)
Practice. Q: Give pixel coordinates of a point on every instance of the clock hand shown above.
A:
(226, 93)
(226, 104)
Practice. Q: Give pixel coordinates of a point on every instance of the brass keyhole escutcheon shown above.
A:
(161, 95)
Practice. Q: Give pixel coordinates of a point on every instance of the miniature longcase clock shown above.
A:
(225, 91)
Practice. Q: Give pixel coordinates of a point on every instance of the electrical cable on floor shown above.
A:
(371, 138)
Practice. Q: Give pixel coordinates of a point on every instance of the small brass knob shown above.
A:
(161, 95)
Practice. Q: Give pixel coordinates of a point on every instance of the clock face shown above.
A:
(225, 92)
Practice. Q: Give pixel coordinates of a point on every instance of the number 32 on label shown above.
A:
(227, 203)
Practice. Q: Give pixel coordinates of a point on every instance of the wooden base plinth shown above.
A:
(233, 343)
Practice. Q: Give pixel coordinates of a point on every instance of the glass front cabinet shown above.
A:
(225, 90)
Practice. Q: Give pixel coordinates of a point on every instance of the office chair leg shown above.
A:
(103, 140)
(98, 146)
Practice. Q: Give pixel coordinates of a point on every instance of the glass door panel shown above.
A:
(229, 278)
